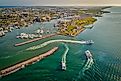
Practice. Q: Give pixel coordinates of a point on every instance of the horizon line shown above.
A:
(69, 5)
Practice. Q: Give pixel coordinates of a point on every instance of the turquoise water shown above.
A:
(106, 53)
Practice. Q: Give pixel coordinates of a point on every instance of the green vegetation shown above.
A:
(85, 21)
(75, 26)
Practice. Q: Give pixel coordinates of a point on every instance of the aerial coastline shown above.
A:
(51, 25)
(18, 17)
(70, 21)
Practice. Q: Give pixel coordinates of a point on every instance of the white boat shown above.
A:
(88, 54)
(89, 26)
(39, 31)
(89, 42)
(48, 31)
(5, 31)
(63, 66)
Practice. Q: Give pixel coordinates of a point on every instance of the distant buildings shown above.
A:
(24, 16)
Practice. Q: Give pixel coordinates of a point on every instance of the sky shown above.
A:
(60, 2)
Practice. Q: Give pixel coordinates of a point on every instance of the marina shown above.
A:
(33, 40)
(28, 36)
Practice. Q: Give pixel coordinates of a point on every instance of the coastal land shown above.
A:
(70, 22)
(75, 26)
(18, 17)
(23, 49)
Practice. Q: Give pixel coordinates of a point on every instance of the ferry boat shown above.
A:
(88, 54)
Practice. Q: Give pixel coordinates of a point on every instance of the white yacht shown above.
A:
(88, 54)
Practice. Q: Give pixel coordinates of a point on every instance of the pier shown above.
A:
(21, 65)
(33, 40)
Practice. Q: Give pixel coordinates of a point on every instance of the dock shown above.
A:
(21, 65)
(33, 40)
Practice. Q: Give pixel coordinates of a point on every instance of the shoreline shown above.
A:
(80, 31)
(21, 65)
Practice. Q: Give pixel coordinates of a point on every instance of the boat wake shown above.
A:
(52, 41)
(87, 66)
(65, 53)
(64, 57)
(5, 57)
